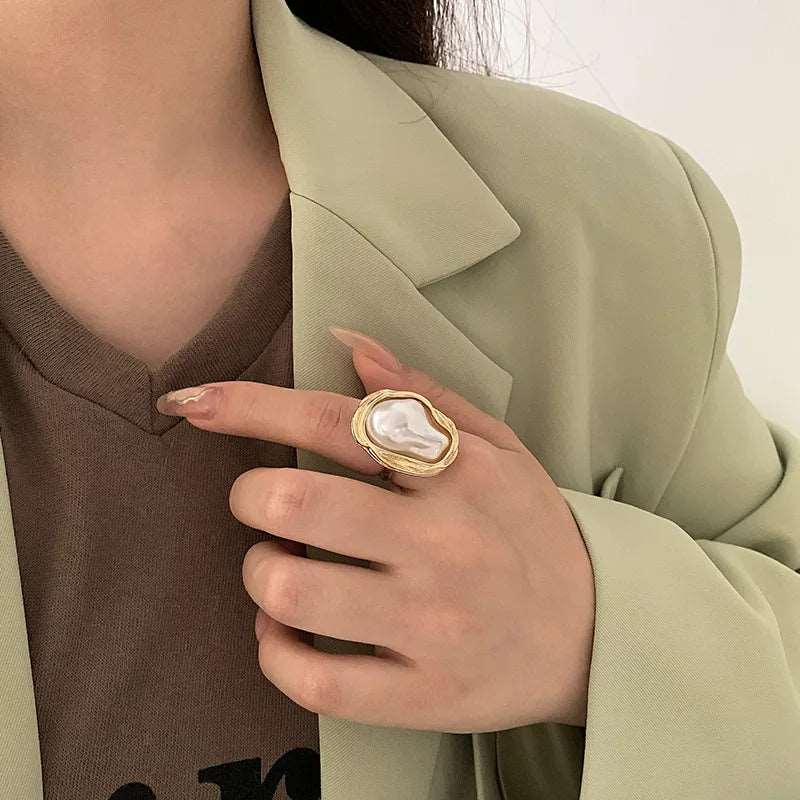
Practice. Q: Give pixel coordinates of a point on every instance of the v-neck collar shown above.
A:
(66, 353)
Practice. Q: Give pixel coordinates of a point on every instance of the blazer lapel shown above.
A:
(382, 206)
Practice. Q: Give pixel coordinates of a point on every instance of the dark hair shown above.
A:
(421, 31)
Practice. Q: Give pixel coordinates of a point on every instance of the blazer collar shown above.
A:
(347, 132)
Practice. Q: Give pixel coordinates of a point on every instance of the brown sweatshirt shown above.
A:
(143, 651)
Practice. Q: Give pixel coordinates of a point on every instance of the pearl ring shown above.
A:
(405, 432)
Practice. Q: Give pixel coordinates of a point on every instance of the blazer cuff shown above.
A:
(692, 688)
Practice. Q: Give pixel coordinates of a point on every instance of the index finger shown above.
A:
(311, 419)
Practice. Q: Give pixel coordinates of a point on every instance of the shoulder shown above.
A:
(560, 163)
(512, 125)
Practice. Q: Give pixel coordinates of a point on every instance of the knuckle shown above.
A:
(483, 461)
(430, 532)
(242, 490)
(279, 591)
(447, 625)
(287, 499)
(251, 408)
(327, 415)
(464, 556)
(507, 432)
(486, 454)
(434, 391)
(250, 564)
(265, 663)
(318, 692)
(455, 543)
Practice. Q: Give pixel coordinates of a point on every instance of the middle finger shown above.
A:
(336, 513)
(343, 601)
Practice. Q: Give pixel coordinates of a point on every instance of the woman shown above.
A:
(551, 545)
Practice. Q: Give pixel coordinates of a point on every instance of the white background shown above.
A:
(722, 79)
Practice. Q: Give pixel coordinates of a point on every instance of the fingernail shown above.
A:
(367, 345)
(196, 401)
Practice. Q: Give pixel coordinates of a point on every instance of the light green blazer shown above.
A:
(575, 274)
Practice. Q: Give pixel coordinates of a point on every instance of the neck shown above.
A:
(130, 97)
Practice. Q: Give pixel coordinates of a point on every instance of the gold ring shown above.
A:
(405, 432)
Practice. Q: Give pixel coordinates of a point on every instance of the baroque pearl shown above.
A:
(402, 425)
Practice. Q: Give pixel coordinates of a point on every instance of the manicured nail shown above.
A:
(369, 346)
(194, 401)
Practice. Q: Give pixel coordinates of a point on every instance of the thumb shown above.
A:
(379, 368)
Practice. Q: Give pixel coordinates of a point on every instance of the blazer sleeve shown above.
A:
(695, 672)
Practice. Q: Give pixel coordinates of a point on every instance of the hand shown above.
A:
(479, 596)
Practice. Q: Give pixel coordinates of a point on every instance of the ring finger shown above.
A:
(343, 601)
